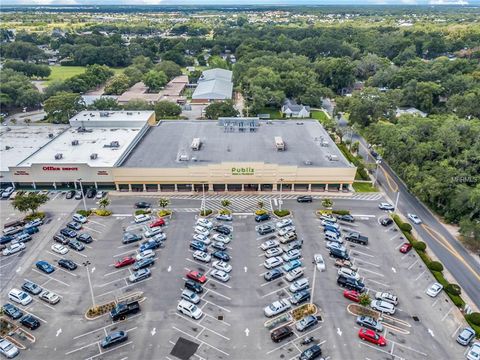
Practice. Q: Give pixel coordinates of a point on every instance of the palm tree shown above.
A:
(163, 202)
(327, 203)
(226, 203)
(261, 204)
(104, 202)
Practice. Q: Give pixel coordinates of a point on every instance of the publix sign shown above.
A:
(243, 171)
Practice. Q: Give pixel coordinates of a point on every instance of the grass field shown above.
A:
(364, 187)
(65, 72)
(319, 115)
(274, 113)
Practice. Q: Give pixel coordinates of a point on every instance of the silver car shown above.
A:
(7, 349)
(466, 336)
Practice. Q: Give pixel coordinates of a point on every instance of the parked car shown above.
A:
(13, 249)
(386, 221)
(197, 276)
(70, 194)
(150, 244)
(346, 217)
(7, 192)
(291, 265)
(59, 249)
(50, 297)
(294, 274)
(144, 263)
(220, 275)
(204, 223)
(129, 237)
(386, 206)
(76, 245)
(101, 194)
(190, 296)
(296, 244)
(263, 217)
(67, 264)
(474, 352)
(273, 274)
(277, 307)
(141, 218)
(12, 230)
(220, 237)
(288, 237)
(265, 229)
(143, 205)
(299, 297)
(201, 230)
(128, 260)
(371, 336)
(198, 245)
(335, 245)
(194, 286)
(306, 322)
(434, 289)
(291, 255)
(7, 349)
(223, 266)
(339, 254)
(139, 275)
(85, 238)
(282, 223)
(202, 256)
(298, 285)
(369, 323)
(122, 310)
(74, 225)
(304, 199)
(189, 309)
(405, 248)
(44, 266)
(78, 195)
(224, 217)
(416, 220)
(222, 229)
(114, 338)
(311, 353)
(91, 192)
(269, 244)
(12, 311)
(34, 223)
(30, 322)
(273, 262)
(158, 222)
(30, 230)
(347, 272)
(31, 288)
(275, 251)
(319, 262)
(281, 333)
(218, 245)
(383, 307)
(68, 233)
(145, 254)
(79, 218)
(350, 284)
(466, 336)
(285, 230)
(388, 297)
(20, 297)
(152, 232)
(328, 217)
(221, 255)
(59, 238)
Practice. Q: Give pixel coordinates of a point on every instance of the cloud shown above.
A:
(448, 2)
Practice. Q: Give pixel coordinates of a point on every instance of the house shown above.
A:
(213, 85)
(409, 111)
(291, 109)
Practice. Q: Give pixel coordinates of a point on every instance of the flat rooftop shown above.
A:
(23, 141)
(120, 118)
(92, 141)
(165, 144)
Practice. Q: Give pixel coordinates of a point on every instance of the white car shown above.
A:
(201, 230)
(199, 237)
(383, 307)
(145, 255)
(152, 232)
(277, 307)
(349, 273)
(434, 289)
(59, 249)
(273, 252)
(330, 223)
(142, 218)
(222, 266)
(273, 262)
(319, 262)
(386, 206)
(269, 244)
(202, 256)
(160, 237)
(20, 297)
(414, 218)
(386, 296)
(7, 349)
(335, 245)
(294, 274)
(190, 296)
(189, 309)
(282, 223)
(298, 285)
(286, 230)
(474, 352)
(223, 238)
(14, 248)
(329, 218)
(49, 297)
(204, 223)
(100, 194)
(220, 275)
(224, 217)
(292, 255)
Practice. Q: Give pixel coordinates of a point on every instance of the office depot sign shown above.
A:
(57, 168)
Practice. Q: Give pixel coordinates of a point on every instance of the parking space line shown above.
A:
(421, 274)
(362, 253)
(90, 229)
(125, 252)
(44, 288)
(370, 271)
(81, 348)
(123, 287)
(13, 259)
(110, 282)
(110, 350)
(114, 272)
(50, 277)
(107, 326)
(275, 291)
(213, 347)
(212, 303)
(416, 261)
(216, 293)
(38, 317)
(43, 303)
(448, 313)
(272, 282)
(96, 222)
(221, 321)
(378, 282)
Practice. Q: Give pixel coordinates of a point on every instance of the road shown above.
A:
(459, 262)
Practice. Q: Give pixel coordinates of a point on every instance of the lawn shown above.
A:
(319, 115)
(364, 187)
(64, 72)
(274, 113)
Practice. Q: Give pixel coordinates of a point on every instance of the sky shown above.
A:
(237, 2)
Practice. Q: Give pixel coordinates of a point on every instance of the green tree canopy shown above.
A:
(220, 109)
(63, 106)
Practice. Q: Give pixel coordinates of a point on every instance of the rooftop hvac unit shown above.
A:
(50, 136)
(104, 114)
(58, 156)
(129, 113)
(114, 144)
(183, 158)
(74, 142)
(196, 144)
(93, 156)
(280, 145)
(332, 157)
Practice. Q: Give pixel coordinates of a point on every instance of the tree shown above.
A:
(163, 202)
(117, 85)
(30, 98)
(364, 299)
(174, 56)
(105, 103)
(22, 50)
(55, 87)
(260, 205)
(29, 201)
(170, 69)
(217, 62)
(226, 203)
(104, 202)
(134, 74)
(155, 80)
(28, 69)
(63, 106)
(138, 104)
(165, 109)
(220, 109)
(327, 203)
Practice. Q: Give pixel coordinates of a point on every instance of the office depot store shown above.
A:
(232, 154)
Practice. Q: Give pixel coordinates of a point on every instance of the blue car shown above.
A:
(149, 245)
(68, 232)
(221, 255)
(45, 267)
(198, 245)
(30, 230)
(263, 217)
(6, 239)
(289, 266)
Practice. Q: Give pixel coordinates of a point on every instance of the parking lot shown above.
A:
(233, 323)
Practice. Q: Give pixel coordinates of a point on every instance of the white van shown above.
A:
(189, 309)
(332, 236)
(79, 218)
(383, 306)
(205, 223)
(20, 297)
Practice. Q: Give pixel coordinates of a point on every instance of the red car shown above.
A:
(371, 336)
(352, 295)
(197, 276)
(405, 248)
(158, 222)
(125, 262)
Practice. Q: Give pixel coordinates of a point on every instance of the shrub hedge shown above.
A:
(341, 212)
(35, 215)
(205, 212)
(261, 212)
(164, 212)
(85, 213)
(142, 211)
(281, 213)
(103, 212)
(419, 245)
(435, 266)
(453, 289)
(225, 212)
(406, 227)
(474, 318)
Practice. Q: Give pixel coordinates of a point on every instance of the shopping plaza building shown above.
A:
(130, 151)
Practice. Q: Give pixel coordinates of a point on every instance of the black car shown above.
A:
(74, 225)
(70, 194)
(5, 239)
(265, 229)
(91, 192)
(350, 283)
(144, 263)
(311, 353)
(114, 338)
(198, 245)
(222, 229)
(273, 274)
(30, 322)
(281, 333)
(68, 233)
(304, 199)
(263, 217)
(299, 297)
(85, 238)
(67, 264)
(31, 288)
(12, 311)
(346, 217)
(129, 237)
(60, 239)
(193, 286)
(76, 245)
(221, 255)
(218, 245)
(143, 205)
(386, 221)
(339, 254)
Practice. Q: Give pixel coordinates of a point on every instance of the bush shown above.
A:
(419, 245)
(341, 212)
(405, 227)
(85, 213)
(453, 289)
(282, 213)
(324, 212)
(205, 212)
(473, 318)
(410, 237)
(364, 299)
(103, 212)
(142, 211)
(423, 255)
(435, 266)
(35, 215)
(327, 203)
(225, 212)
(261, 212)
(457, 300)
(439, 277)
(164, 212)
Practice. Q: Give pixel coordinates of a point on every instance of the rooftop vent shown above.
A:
(196, 144)
(50, 136)
(74, 142)
(7, 147)
(104, 114)
(308, 162)
(93, 156)
(58, 156)
(183, 158)
(129, 113)
(332, 157)
(280, 145)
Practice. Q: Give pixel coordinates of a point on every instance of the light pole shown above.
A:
(280, 201)
(83, 195)
(203, 198)
(378, 162)
(396, 201)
